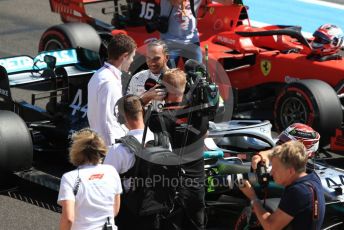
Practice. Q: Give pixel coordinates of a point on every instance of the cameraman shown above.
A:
(186, 130)
(303, 203)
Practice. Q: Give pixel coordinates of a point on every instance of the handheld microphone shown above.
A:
(150, 83)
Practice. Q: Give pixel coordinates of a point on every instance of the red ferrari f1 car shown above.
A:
(273, 69)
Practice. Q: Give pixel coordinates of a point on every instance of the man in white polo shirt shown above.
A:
(123, 159)
(105, 88)
(119, 156)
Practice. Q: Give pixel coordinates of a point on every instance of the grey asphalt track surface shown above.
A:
(21, 25)
(24, 205)
(28, 206)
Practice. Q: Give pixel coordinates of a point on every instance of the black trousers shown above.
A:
(189, 211)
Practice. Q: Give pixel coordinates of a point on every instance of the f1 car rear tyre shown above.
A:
(312, 102)
(70, 35)
(16, 150)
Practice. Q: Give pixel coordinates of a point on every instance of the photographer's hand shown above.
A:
(261, 156)
(248, 190)
(155, 93)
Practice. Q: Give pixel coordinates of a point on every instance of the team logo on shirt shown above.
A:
(98, 176)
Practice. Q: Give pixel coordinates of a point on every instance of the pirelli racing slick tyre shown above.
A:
(311, 102)
(70, 35)
(16, 150)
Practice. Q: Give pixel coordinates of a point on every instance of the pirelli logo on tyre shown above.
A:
(265, 66)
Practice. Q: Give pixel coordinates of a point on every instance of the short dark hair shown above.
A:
(158, 42)
(130, 106)
(120, 44)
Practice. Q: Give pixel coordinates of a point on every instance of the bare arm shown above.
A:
(67, 216)
(117, 204)
(276, 220)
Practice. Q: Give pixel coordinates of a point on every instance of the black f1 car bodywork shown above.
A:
(56, 83)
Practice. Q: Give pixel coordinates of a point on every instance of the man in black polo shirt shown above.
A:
(302, 204)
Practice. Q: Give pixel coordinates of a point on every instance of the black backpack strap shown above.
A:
(135, 147)
(131, 143)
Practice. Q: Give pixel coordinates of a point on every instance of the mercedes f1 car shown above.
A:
(56, 84)
(238, 141)
(270, 72)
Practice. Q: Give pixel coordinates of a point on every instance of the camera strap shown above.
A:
(315, 204)
(76, 184)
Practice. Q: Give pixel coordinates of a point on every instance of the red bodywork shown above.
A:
(265, 60)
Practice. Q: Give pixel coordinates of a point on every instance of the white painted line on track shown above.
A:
(323, 3)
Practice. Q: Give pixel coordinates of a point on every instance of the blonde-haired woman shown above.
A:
(89, 195)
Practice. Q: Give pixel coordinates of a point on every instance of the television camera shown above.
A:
(231, 174)
(200, 93)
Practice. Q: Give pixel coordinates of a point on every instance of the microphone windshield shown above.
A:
(194, 66)
(191, 65)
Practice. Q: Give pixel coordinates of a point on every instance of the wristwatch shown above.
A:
(253, 200)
